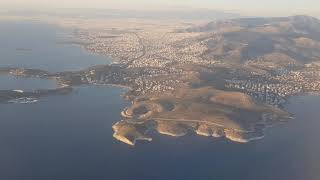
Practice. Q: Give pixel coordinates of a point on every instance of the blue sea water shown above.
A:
(9, 82)
(31, 44)
(70, 138)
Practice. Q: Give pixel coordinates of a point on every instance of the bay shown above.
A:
(70, 137)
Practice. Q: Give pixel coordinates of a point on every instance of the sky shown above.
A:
(247, 7)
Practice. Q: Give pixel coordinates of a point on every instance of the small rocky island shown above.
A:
(224, 79)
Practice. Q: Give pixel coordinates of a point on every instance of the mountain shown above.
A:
(294, 39)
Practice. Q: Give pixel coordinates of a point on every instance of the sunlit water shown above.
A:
(70, 138)
(34, 45)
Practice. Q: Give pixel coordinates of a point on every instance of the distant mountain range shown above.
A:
(294, 39)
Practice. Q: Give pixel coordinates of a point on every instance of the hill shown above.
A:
(293, 40)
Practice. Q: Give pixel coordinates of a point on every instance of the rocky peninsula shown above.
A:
(225, 79)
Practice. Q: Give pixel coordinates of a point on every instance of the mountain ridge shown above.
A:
(244, 39)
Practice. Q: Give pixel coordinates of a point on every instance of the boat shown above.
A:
(23, 100)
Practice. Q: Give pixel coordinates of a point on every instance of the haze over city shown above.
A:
(245, 7)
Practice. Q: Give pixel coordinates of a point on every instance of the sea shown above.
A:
(69, 137)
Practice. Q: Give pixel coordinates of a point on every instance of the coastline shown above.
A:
(234, 135)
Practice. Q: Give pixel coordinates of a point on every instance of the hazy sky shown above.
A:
(252, 7)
